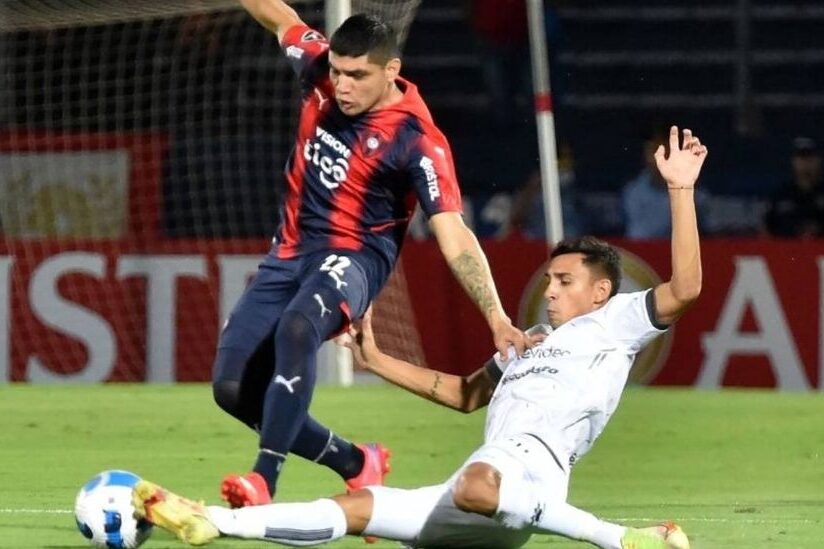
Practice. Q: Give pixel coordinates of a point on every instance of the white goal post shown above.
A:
(335, 364)
(545, 120)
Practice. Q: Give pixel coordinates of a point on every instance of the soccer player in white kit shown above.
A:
(546, 409)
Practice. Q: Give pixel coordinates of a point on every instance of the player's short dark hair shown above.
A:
(598, 256)
(364, 34)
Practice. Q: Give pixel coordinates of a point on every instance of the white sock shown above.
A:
(296, 524)
(520, 507)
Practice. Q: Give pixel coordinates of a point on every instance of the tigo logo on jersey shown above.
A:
(431, 177)
(333, 171)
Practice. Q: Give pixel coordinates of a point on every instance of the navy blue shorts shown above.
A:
(281, 284)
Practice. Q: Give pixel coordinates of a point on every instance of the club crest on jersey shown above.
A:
(372, 144)
(311, 36)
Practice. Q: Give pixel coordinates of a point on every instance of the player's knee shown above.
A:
(311, 318)
(225, 373)
(227, 395)
(476, 489)
(229, 365)
(357, 508)
(297, 332)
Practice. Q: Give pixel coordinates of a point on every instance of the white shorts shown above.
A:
(427, 517)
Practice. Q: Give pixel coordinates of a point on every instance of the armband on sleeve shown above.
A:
(493, 369)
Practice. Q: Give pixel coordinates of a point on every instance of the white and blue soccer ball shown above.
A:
(104, 512)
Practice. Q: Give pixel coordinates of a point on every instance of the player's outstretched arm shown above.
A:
(275, 15)
(463, 393)
(468, 263)
(680, 170)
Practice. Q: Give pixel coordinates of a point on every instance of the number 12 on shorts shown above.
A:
(334, 265)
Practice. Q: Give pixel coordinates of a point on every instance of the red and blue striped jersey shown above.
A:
(353, 181)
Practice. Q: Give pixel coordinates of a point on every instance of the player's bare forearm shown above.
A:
(464, 394)
(681, 172)
(459, 393)
(275, 15)
(686, 247)
(473, 274)
(462, 252)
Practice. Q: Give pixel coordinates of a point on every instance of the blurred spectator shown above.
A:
(490, 214)
(527, 215)
(797, 209)
(500, 28)
(502, 36)
(645, 199)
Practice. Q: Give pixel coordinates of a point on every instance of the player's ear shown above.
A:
(392, 69)
(603, 287)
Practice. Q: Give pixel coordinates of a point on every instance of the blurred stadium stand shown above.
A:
(621, 68)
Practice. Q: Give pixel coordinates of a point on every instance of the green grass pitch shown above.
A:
(736, 469)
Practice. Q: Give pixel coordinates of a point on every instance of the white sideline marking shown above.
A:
(615, 519)
(36, 511)
(719, 519)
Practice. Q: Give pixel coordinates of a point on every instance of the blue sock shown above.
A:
(300, 331)
(317, 443)
(268, 465)
(287, 399)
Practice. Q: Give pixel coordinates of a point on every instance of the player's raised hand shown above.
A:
(506, 335)
(681, 168)
(361, 340)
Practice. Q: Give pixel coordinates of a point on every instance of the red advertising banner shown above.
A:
(119, 310)
(758, 322)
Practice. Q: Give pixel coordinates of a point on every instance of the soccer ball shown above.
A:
(104, 512)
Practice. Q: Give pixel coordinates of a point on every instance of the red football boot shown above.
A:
(375, 467)
(245, 490)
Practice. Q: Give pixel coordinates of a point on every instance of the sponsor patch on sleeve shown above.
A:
(295, 52)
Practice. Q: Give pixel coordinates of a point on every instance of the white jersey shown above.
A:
(564, 390)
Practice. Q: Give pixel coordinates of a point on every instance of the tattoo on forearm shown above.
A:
(433, 392)
(474, 278)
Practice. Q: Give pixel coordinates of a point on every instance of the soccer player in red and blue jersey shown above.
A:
(366, 151)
